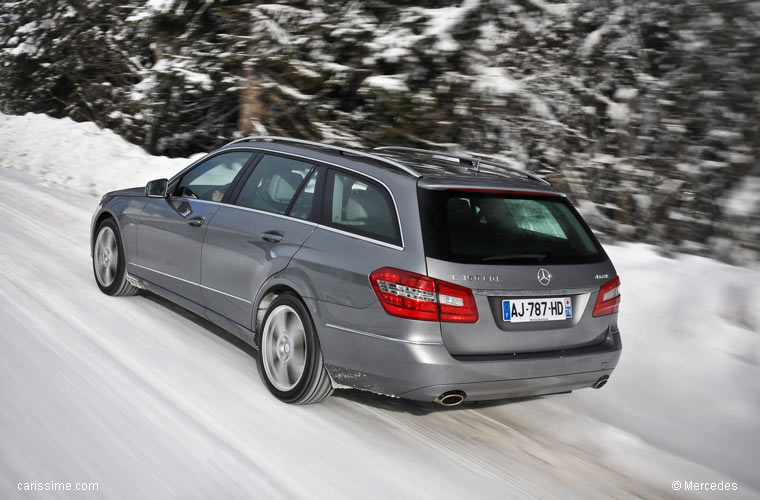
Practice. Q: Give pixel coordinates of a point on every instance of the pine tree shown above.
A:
(645, 112)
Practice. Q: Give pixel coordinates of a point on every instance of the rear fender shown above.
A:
(289, 279)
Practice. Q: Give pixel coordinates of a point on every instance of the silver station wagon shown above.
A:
(405, 272)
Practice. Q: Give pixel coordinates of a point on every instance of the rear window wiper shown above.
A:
(515, 256)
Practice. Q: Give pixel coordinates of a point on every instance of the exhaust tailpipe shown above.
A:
(451, 398)
(600, 382)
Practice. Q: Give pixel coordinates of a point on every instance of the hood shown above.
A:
(135, 191)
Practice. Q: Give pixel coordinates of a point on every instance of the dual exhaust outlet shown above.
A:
(456, 398)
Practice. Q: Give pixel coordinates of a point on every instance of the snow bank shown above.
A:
(80, 156)
(686, 382)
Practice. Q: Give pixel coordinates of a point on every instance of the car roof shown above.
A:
(430, 169)
(377, 168)
(442, 168)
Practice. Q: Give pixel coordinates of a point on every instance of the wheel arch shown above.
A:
(103, 215)
(287, 281)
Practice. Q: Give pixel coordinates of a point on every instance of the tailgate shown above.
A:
(534, 266)
(492, 334)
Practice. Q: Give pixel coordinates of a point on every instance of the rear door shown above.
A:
(171, 230)
(533, 265)
(257, 234)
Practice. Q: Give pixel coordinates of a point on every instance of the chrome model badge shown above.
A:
(544, 276)
(471, 277)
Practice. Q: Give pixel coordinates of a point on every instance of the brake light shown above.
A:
(504, 191)
(414, 296)
(608, 300)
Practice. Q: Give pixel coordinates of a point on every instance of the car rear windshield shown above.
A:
(477, 227)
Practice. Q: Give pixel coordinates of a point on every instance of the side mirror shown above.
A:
(157, 188)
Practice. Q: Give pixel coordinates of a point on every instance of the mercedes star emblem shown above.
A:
(544, 276)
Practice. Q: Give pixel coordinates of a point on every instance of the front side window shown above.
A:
(273, 184)
(362, 207)
(212, 179)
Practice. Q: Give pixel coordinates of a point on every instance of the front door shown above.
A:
(171, 230)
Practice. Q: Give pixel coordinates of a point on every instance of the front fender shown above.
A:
(126, 212)
(99, 215)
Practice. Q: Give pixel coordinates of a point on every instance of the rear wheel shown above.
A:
(108, 261)
(290, 358)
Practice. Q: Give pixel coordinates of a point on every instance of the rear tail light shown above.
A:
(414, 296)
(608, 300)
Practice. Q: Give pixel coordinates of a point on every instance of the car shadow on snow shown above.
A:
(202, 322)
(390, 403)
(419, 408)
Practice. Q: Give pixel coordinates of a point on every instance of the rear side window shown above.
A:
(273, 184)
(360, 206)
(486, 227)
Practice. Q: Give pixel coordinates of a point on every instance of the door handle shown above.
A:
(196, 221)
(273, 236)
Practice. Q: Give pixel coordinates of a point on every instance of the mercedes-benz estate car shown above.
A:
(405, 272)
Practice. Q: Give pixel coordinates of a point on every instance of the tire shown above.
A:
(290, 358)
(108, 261)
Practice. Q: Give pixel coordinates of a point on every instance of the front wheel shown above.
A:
(290, 358)
(109, 262)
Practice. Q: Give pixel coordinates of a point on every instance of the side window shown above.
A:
(304, 202)
(212, 179)
(360, 207)
(273, 184)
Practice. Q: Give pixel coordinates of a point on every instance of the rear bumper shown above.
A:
(511, 388)
(424, 371)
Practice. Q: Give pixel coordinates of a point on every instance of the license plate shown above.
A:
(525, 310)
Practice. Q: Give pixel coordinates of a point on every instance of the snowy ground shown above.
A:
(152, 402)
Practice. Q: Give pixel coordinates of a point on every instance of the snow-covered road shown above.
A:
(152, 402)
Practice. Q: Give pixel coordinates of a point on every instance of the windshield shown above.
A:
(490, 227)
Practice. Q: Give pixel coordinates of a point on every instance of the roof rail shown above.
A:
(341, 150)
(475, 162)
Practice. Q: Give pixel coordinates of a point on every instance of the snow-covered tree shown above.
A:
(67, 58)
(645, 112)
